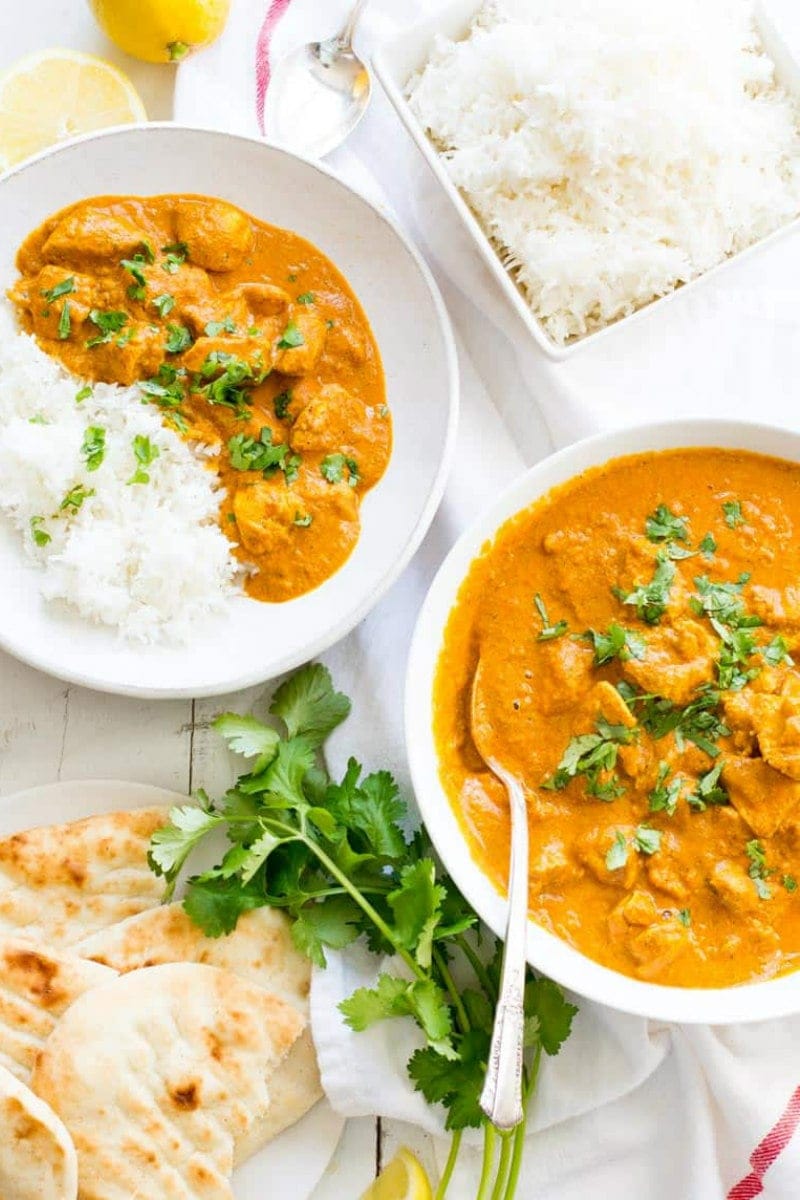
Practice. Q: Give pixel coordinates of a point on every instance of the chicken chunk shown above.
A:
(731, 883)
(261, 299)
(334, 420)
(301, 358)
(565, 675)
(44, 314)
(92, 235)
(761, 795)
(265, 514)
(777, 607)
(593, 848)
(658, 946)
(678, 659)
(218, 236)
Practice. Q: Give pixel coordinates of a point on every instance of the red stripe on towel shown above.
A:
(275, 12)
(767, 1151)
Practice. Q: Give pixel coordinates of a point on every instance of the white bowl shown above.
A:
(546, 952)
(402, 56)
(252, 642)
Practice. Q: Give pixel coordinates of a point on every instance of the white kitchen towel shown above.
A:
(634, 1109)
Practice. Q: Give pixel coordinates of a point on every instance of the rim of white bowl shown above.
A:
(335, 634)
(548, 953)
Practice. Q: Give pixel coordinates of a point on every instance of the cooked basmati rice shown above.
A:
(613, 151)
(148, 558)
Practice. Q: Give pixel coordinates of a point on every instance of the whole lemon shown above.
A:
(161, 30)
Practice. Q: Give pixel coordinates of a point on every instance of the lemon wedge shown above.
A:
(403, 1179)
(56, 94)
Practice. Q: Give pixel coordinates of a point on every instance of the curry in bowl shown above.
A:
(252, 344)
(637, 630)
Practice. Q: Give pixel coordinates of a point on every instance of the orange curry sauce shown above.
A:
(252, 343)
(666, 842)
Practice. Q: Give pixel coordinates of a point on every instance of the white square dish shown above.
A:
(397, 60)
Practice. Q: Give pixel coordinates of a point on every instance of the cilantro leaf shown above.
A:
(164, 304)
(249, 737)
(617, 855)
(215, 904)
(548, 631)
(108, 323)
(417, 908)
(179, 339)
(733, 513)
(334, 922)
(545, 1000)
(145, 453)
(647, 840)
(616, 642)
(291, 337)
(333, 466)
(651, 599)
(40, 536)
(307, 704)
(94, 447)
(215, 328)
(663, 525)
(64, 288)
(171, 846)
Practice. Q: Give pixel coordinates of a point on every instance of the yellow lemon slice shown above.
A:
(403, 1179)
(161, 30)
(56, 94)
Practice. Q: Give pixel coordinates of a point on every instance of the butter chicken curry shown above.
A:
(639, 638)
(251, 342)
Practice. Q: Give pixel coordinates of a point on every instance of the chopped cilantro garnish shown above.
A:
(708, 545)
(40, 536)
(291, 467)
(291, 337)
(647, 840)
(593, 756)
(75, 498)
(684, 916)
(777, 652)
(733, 513)
(333, 466)
(138, 289)
(664, 796)
(145, 454)
(292, 277)
(163, 303)
(61, 289)
(108, 323)
(758, 869)
(306, 298)
(166, 388)
(650, 599)
(176, 255)
(709, 790)
(617, 856)
(179, 339)
(38, 419)
(281, 405)
(215, 328)
(615, 642)
(548, 631)
(698, 722)
(262, 454)
(226, 389)
(84, 394)
(790, 883)
(302, 519)
(64, 322)
(94, 447)
(663, 525)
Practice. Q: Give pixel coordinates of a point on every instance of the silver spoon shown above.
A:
(319, 93)
(501, 1098)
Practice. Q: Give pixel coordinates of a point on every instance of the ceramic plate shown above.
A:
(291, 1165)
(251, 642)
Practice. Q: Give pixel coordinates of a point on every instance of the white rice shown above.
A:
(147, 558)
(613, 150)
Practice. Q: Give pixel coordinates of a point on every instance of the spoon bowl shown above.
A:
(318, 94)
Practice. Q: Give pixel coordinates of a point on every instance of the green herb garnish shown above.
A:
(664, 796)
(708, 546)
(698, 722)
(733, 513)
(616, 642)
(215, 328)
(94, 447)
(262, 454)
(176, 255)
(281, 405)
(64, 288)
(333, 468)
(138, 289)
(709, 790)
(593, 756)
(758, 870)
(145, 453)
(306, 298)
(108, 323)
(617, 856)
(789, 882)
(64, 322)
(40, 536)
(777, 652)
(84, 394)
(663, 525)
(291, 337)
(650, 599)
(179, 339)
(548, 631)
(74, 498)
(163, 303)
(302, 519)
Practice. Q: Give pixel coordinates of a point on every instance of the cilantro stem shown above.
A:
(506, 1153)
(489, 1139)
(449, 1166)
(361, 901)
(474, 961)
(444, 971)
(529, 1087)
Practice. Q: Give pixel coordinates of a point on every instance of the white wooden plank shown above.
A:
(32, 710)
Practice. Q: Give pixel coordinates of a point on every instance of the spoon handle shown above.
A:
(345, 38)
(501, 1098)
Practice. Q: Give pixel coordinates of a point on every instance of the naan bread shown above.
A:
(261, 950)
(60, 883)
(37, 986)
(37, 1157)
(158, 1073)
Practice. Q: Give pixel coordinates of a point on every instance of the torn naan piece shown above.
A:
(260, 950)
(60, 883)
(37, 1156)
(37, 986)
(157, 1074)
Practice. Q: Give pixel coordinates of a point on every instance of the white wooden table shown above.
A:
(50, 732)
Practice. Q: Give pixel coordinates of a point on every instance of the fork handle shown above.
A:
(501, 1098)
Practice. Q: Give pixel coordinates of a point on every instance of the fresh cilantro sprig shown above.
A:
(650, 600)
(548, 632)
(339, 859)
